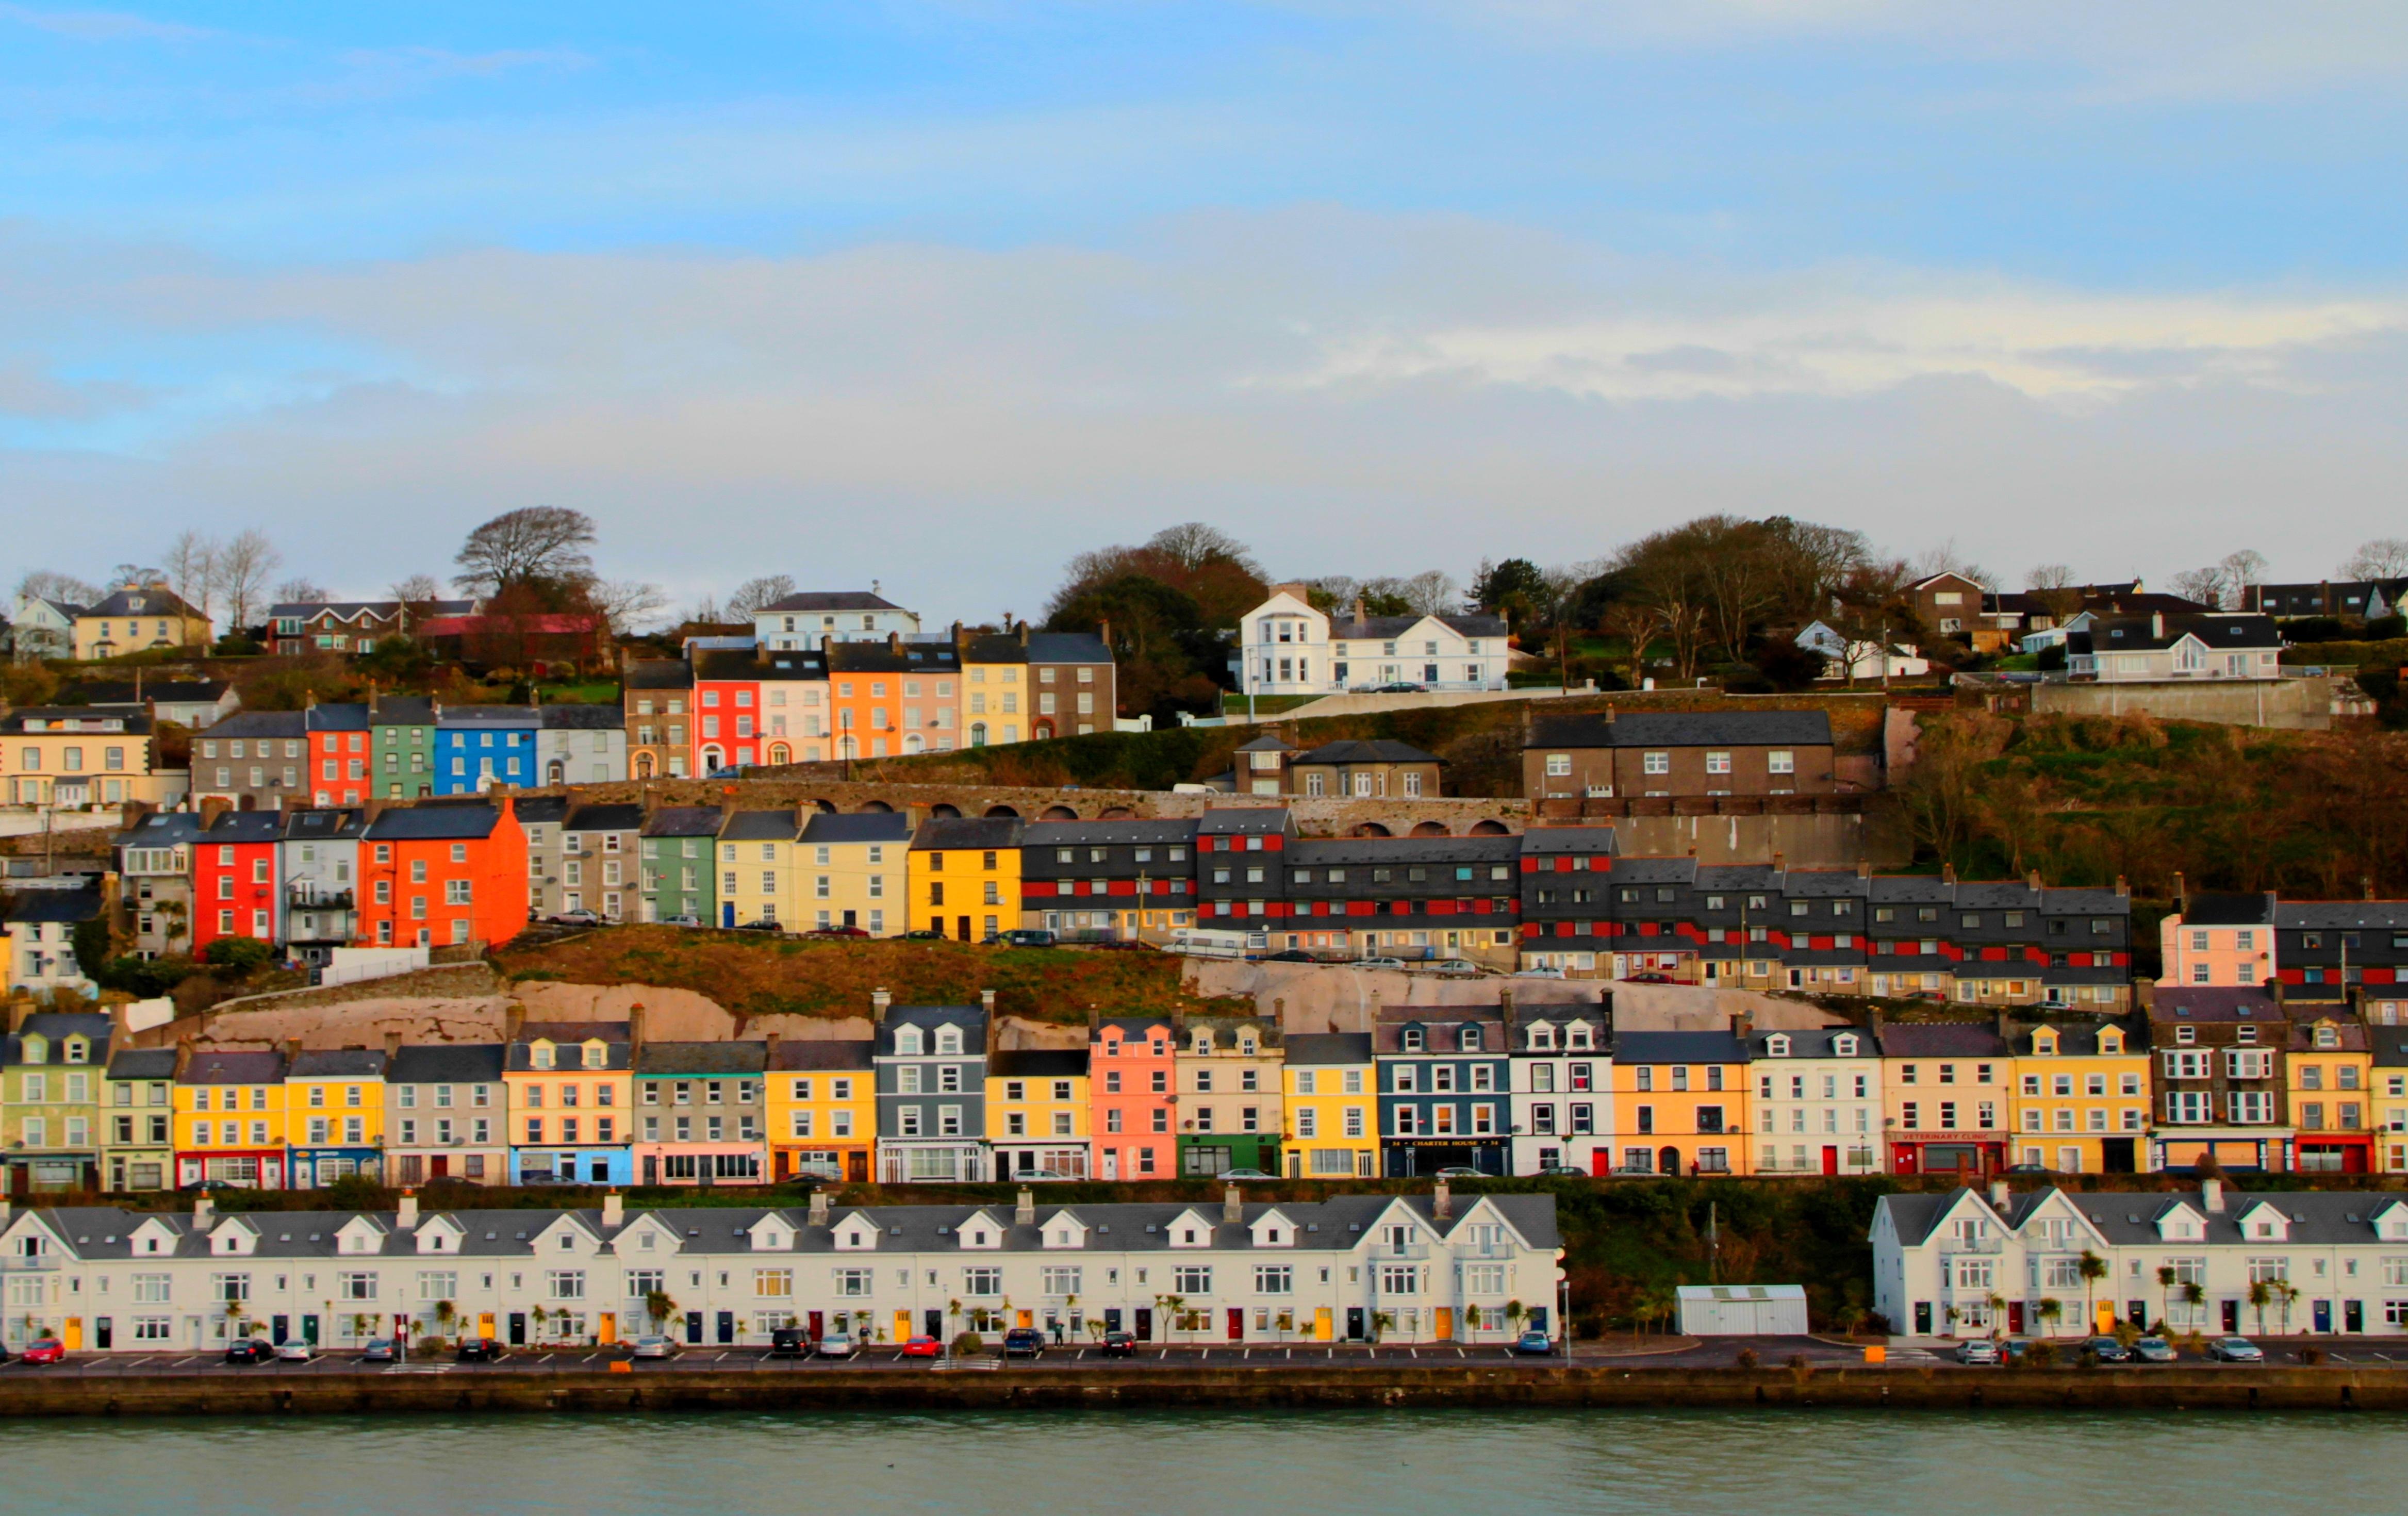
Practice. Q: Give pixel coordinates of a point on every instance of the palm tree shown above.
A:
(2259, 1293)
(2051, 1308)
(2194, 1295)
(2290, 1294)
(659, 1307)
(2094, 1268)
(2165, 1290)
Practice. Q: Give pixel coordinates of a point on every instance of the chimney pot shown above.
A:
(1233, 1211)
(614, 1211)
(1999, 1196)
(1441, 1201)
(2211, 1194)
(819, 1212)
(406, 1218)
(1023, 1211)
(204, 1211)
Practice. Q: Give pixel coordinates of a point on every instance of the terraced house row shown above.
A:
(933, 1096)
(1428, 1267)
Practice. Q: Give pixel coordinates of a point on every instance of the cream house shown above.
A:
(2214, 646)
(1289, 648)
(138, 618)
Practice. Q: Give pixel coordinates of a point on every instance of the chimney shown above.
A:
(635, 1031)
(1742, 1024)
(1505, 1009)
(819, 1212)
(987, 1001)
(895, 643)
(994, 1022)
(391, 1045)
(7, 1209)
(2006, 1027)
(1864, 868)
(769, 1052)
(2366, 884)
(878, 1001)
(2157, 623)
(1947, 873)
(1023, 629)
(204, 1211)
(2031, 880)
(513, 1022)
(614, 1211)
(2182, 894)
(1999, 1197)
(1359, 610)
(2211, 1194)
(2123, 886)
(373, 697)
(1023, 1211)
(1780, 861)
(183, 1056)
(1095, 1020)
(406, 1218)
(1441, 1202)
(1233, 1211)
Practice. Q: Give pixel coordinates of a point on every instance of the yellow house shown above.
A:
(230, 1118)
(138, 618)
(964, 877)
(822, 1109)
(2081, 1098)
(2332, 1076)
(853, 871)
(1332, 1118)
(69, 756)
(334, 1101)
(1036, 1113)
(756, 868)
(995, 689)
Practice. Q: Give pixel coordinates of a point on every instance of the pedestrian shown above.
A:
(1057, 1333)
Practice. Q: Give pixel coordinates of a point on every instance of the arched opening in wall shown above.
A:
(978, 734)
(780, 753)
(876, 808)
(1117, 813)
(942, 812)
(713, 760)
(1369, 829)
(555, 772)
(911, 743)
(1490, 827)
(826, 808)
(1429, 829)
(643, 765)
(1058, 813)
(1004, 812)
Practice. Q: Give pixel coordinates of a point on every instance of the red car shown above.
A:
(47, 1351)
(924, 1347)
(836, 931)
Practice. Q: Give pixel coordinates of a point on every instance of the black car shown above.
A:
(790, 1342)
(2108, 1351)
(1120, 1345)
(923, 934)
(1023, 1342)
(1291, 955)
(250, 1351)
(479, 1351)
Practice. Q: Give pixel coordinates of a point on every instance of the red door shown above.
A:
(1830, 1160)
(2014, 1316)
(1600, 1163)
(442, 1165)
(818, 1322)
(1237, 1324)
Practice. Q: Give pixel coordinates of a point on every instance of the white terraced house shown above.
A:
(1968, 1265)
(1405, 1268)
(1288, 648)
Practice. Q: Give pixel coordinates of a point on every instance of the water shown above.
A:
(1214, 1463)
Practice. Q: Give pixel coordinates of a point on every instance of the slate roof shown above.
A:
(1132, 833)
(2213, 1003)
(538, 809)
(247, 723)
(1311, 1049)
(824, 600)
(970, 1019)
(435, 824)
(402, 710)
(1810, 1042)
(2127, 634)
(135, 719)
(338, 1063)
(1548, 841)
(883, 658)
(583, 717)
(614, 1034)
(2339, 915)
(747, 665)
(1321, 851)
(1374, 750)
(338, 715)
(2128, 1218)
(605, 818)
(1068, 647)
(658, 674)
(796, 1055)
(333, 825)
(457, 716)
(827, 829)
(701, 1058)
(143, 1063)
(165, 691)
(1387, 1032)
(162, 829)
(1678, 1048)
(1354, 629)
(1940, 1039)
(1038, 1064)
(2077, 1038)
(967, 833)
(57, 1027)
(54, 906)
(246, 826)
(1244, 820)
(2230, 909)
(209, 1067)
(760, 826)
(1684, 729)
(684, 821)
(447, 1063)
(152, 600)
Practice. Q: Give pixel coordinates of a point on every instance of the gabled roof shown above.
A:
(1684, 729)
(824, 600)
(150, 600)
(1465, 623)
(684, 821)
(827, 829)
(1361, 751)
(435, 824)
(447, 1063)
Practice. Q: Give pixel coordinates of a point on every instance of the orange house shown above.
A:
(443, 872)
(1132, 1098)
(893, 698)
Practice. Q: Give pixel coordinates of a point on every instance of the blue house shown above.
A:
(478, 747)
(1445, 1089)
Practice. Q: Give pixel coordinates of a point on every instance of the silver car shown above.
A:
(655, 1347)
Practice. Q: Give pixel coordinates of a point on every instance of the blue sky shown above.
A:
(1380, 287)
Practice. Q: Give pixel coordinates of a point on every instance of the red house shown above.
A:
(236, 887)
(443, 873)
(1132, 1098)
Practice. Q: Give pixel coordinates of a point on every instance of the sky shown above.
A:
(938, 292)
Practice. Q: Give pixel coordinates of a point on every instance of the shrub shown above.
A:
(241, 953)
(1747, 1358)
(969, 1343)
(2312, 1355)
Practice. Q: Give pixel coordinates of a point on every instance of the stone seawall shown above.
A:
(265, 1393)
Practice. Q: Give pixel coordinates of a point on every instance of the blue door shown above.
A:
(727, 913)
(2324, 1317)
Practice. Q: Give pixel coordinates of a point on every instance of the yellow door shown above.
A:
(1324, 1327)
(902, 1327)
(1445, 1324)
(2105, 1324)
(73, 1336)
(486, 1324)
(1028, 1318)
(609, 1328)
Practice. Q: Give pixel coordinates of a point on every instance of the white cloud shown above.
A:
(102, 26)
(1348, 392)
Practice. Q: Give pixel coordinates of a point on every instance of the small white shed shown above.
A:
(1729, 1311)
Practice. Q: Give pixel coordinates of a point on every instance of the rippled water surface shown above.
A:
(1216, 1463)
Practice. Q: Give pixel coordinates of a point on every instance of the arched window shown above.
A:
(643, 765)
(978, 734)
(780, 753)
(911, 742)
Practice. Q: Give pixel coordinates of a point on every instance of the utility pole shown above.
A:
(1713, 1243)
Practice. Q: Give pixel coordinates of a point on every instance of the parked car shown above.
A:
(2108, 1351)
(1647, 979)
(836, 931)
(659, 1346)
(1044, 1176)
(2026, 1169)
(577, 918)
(5, 1354)
(1451, 966)
(1539, 973)
(836, 1345)
(763, 926)
(1396, 689)
(379, 1350)
(45, 1350)
(1562, 1171)
(246, 1351)
(295, 1351)
(1290, 955)
(685, 920)
(1244, 1176)
(2154, 1350)
(1030, 937)
(2017, 1350)
(923, 1347)
(1023, 1342)
(1534, 1345)
(1977, 1351)
(923, 934)
(1120, 1345)
(481, 1350)
(2235, 1351)
(1459, 1171)
(1380, 963)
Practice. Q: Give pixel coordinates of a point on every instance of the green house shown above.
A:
(50, 1071)
(401, 737)
(678, 878)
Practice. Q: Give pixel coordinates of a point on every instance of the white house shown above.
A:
(1286, 647)
(2217, 645)
(1412, 1268)
(1818, 1101)
(39, 628)
(580, 744)
(1847, 657)
(1962, 1263)
(1563, 1089)
(806, 620)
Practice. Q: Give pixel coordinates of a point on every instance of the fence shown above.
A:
(352, 965)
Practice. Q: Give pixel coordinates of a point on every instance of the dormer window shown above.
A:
(1470, 1039)
(78, 1050)
(906, 1042)
(539, 1055)
(2045, 1044)
(1542, 1040)
(1844, 1045)
(1203, 1043)
(1777, 1045)
(949, 1041)
(1580, 1040)
(2110, 1043)
(1413, 1039)
(1248, 1046)
(597, 1055)
(2327, 1036)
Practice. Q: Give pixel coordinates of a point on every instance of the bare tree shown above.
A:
(192, 568)
(50, 584)
(301, 589)
(755, 595)
(2242, 571)
(244, 565)
(2204, 585)
(1945, 559)
(417, 590)
(136, 574)
(2049, 577)
(626, 603)
(2384, 558)
(1193, 545)
(522, 546)
(1434, 593)
(704, 612)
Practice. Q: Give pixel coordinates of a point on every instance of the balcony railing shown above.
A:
(305, 898)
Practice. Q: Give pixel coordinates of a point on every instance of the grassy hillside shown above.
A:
(756, 974)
